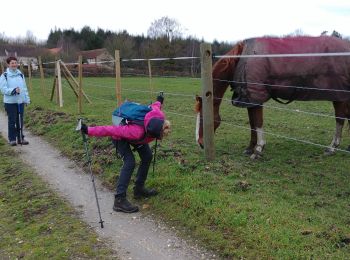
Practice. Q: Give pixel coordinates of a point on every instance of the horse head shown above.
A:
(223, 71)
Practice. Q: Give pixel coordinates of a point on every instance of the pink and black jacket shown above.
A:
(135, 133)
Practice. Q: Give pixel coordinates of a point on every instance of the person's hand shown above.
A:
(160, 99)
(84, 129)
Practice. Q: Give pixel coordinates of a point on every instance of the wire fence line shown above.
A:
(278, 55)
(227, 100)
(286, 55)
(235, 82)
(194, 117)
(281, 86)
(192, 96)
(128, 60)
(229, 82)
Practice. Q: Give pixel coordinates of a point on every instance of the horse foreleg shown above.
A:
(253, 136)
(340, 113)
(257, 113)
(336, 139)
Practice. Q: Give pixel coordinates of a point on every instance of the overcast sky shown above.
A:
(223, 20)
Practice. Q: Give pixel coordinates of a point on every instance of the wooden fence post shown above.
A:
(42, 79)
(80, 96)
(2, 67)
(54, 85)
(150, 78)
(118, 87)
(207, 98)
(59, 83)
(30, 74)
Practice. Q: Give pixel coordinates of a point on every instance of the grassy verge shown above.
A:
(35, 223)
(292, 203)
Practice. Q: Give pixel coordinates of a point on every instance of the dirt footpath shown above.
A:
(133, 236)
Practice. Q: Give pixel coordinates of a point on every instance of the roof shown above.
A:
(91, 54)
(21, 50)
(54, 51)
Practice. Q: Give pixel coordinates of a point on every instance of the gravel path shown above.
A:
(133, 236)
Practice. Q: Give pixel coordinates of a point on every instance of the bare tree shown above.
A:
(165, 27)
(30, 39)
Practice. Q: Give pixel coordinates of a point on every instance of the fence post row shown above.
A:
(207, 101)
(150, 78)
(59, 83)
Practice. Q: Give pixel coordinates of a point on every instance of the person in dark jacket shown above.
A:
(13, 87)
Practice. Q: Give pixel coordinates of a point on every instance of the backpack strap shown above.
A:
(5, 75)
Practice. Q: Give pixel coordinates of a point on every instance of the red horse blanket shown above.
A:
(292, 78)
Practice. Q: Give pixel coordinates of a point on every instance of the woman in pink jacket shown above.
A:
(135, 136)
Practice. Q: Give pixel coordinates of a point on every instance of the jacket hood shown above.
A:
(13, 72)
(154, 127)
(154, 121)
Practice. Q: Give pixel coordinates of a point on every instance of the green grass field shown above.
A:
(35, 223)
(292, 203)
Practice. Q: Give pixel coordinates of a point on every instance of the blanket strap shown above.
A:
(281, 102)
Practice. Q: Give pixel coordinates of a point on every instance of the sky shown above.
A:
(221, 20)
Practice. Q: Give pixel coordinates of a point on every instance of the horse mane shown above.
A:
(226, 63)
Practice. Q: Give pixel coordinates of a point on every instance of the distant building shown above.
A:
(24, 54)
(96, 56)
(55, 51)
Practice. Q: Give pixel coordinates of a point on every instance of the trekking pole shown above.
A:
(78, 128)
(161, 93)
(155, 154)
(20, 128)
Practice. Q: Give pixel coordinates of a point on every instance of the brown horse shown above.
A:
(256, 80)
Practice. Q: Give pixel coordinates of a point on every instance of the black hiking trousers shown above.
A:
(124, 149)
(13, 120)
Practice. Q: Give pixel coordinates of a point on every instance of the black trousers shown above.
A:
(13, 110)
(124, 148)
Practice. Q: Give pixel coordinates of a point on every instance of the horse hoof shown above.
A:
(255, 156)
(329, 151)
(248, 151)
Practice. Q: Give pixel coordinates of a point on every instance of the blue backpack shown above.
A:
(130, 112)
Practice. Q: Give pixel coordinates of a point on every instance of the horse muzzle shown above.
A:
(200, 143)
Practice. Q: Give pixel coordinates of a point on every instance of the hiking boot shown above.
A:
(24, 142)
(123, 205)
(12, 143)
(142, 192)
